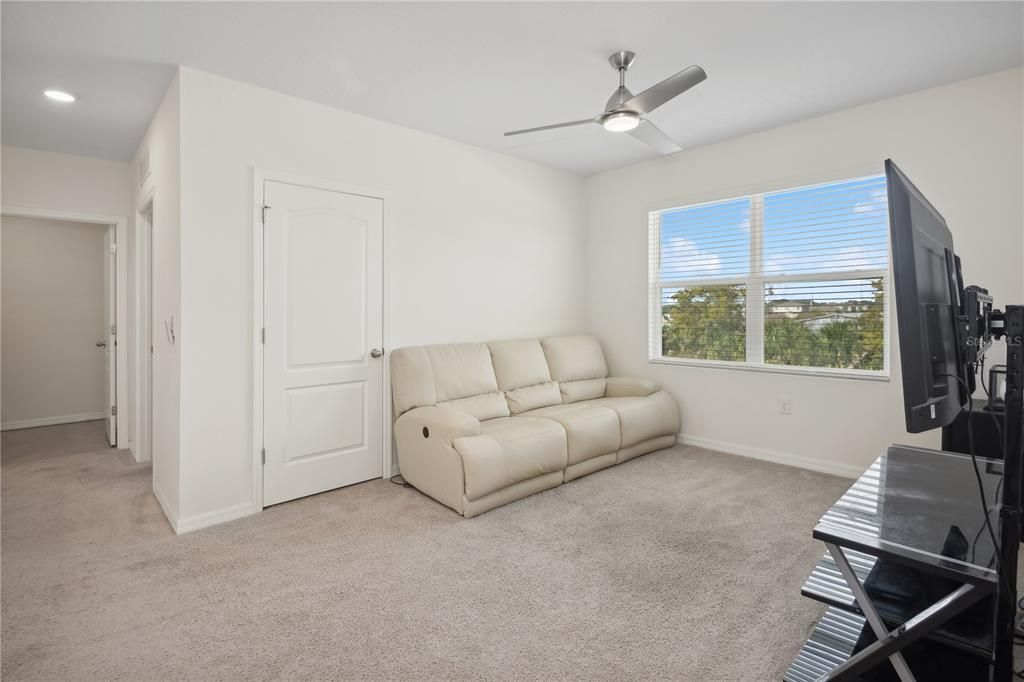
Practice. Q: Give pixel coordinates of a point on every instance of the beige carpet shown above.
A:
(684, 564)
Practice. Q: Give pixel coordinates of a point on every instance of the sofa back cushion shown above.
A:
(464, 378)
(577, 363)
(484, 406)
(460, 375)
(412, 381)
(461, 370)
(518, 363)
(498, 378)
(522, 372)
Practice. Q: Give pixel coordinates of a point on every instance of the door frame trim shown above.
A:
(259, 177)
(145, 312)
(123, 336)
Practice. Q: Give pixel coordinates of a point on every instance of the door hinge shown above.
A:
(113, 410)
(113, 330)
(113, 249)
(263, 335)
(263, 455)
(265, 207)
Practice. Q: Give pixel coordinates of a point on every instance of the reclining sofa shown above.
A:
(479, 425)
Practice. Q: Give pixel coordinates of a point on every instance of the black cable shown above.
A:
(1018, 637)
(402, 482)
(981, 529)
(974, 462)
(1002, 579)
(1002, 453)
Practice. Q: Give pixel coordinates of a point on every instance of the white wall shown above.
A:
(962, 146)
(62, 182)
(163, 189)
(53, 314)
(481, 246)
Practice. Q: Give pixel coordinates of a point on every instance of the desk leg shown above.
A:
(868, 609)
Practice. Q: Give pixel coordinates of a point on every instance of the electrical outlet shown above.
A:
(785, 406)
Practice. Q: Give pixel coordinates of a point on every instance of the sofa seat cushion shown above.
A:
(591, 430)
(643, 418)
(509, 450)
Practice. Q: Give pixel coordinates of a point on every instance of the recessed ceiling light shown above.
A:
(59, 96)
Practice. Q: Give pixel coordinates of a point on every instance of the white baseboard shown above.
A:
(158, 494)
(193, 523)
(135, 455)
(834, 468)
(51, 421)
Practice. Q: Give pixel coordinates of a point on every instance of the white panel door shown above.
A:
(323, 315)
(110, 335)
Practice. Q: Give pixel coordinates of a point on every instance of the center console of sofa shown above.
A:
(479, 425)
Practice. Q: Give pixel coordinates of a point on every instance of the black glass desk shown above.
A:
(909, 573)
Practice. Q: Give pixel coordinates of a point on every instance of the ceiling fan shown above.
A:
(626, 112)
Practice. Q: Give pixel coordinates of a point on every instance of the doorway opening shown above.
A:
(64, 296)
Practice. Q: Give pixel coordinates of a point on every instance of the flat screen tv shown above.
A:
(928, 290)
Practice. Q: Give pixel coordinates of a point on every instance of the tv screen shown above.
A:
(928, 291)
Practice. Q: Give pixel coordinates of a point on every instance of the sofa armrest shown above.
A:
(618, 387)
(426, 456)
(441, 421)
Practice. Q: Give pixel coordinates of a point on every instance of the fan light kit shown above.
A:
(622, 122)
(60, 96)
(626, 112)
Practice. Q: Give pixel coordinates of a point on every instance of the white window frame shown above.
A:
(754, 285)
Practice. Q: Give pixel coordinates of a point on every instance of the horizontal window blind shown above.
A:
(795, 278)
(709, 241)
(837, 227)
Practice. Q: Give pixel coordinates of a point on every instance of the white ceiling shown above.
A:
(469, 71)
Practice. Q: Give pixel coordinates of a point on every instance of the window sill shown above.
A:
(853, 374)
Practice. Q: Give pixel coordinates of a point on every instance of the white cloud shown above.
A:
(682, 258)
(876, 203)
(858, 258)
(847, 258)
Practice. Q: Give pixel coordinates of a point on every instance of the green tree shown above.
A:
(705, 323)
(839, 345)
(871, 327)
(789, 342)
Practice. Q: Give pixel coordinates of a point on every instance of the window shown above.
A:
(793, 280)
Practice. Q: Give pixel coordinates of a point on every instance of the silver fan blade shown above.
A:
(656, 95)
(551, 127)
(651, 134)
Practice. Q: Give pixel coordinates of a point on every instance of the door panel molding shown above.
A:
(260, 177)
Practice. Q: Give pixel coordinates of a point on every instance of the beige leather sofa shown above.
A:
(479, 425)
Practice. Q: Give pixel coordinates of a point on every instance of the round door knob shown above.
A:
(376, 352)
(101, 344)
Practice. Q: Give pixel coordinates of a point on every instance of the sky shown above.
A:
(823, 228)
